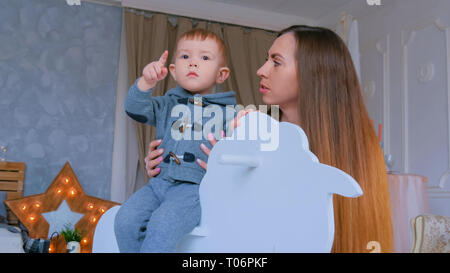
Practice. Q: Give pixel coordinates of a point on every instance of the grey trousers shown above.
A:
(157, 216)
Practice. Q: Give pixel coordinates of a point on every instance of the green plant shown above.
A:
(70, 234)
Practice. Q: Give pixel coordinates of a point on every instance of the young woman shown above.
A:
(309, 73)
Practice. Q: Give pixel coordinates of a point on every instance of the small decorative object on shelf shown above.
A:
(72, 238)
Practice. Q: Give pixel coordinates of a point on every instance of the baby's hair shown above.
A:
(203, 34)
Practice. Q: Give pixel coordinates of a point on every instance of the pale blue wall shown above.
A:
(58, 76)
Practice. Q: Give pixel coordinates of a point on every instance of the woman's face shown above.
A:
(279, 81)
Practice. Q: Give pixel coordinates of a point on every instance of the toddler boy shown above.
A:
(155, 217)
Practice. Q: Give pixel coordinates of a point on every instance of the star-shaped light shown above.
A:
(42, 214)
(61, 218)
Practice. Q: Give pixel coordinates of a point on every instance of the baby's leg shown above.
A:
(132, 218)
(177, 215)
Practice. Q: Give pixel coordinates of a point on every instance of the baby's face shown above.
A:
(197, 65)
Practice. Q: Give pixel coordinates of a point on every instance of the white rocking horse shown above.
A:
(259, 197)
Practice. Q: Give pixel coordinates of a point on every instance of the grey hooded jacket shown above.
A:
(183, 128)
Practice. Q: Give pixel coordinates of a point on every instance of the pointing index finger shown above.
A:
(163, 57)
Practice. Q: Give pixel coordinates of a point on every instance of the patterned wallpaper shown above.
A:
(58, 76)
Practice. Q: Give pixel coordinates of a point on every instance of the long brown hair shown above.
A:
(334, 117)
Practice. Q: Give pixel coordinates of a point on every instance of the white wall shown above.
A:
(405, 53)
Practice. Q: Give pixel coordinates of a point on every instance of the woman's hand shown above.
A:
(206, 150)
(233, 124)
(153, 158)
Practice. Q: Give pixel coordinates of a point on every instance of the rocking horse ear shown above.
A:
(339, 182)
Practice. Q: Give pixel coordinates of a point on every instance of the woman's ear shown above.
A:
(172, 71)
(224, 72)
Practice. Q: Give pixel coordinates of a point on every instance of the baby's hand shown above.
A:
(153, 73)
